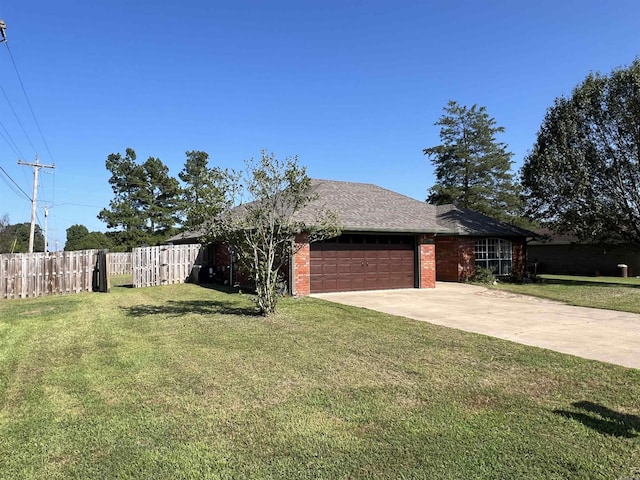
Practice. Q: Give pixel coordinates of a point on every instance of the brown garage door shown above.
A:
(368, 263)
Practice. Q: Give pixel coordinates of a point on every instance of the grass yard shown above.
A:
(611, 293)
(185, 382)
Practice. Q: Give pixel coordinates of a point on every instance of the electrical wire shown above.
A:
(15, 184)
(15, 67)
(77, 205)
(18, 120)
(12, 144)
(11, 186)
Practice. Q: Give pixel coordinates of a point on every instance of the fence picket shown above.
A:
(120, 263)
(27, 275)
(164, 265)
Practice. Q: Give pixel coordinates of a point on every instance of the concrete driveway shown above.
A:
(592, 333)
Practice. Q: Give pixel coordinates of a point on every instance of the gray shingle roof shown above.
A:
(462, 221)
(363, 207)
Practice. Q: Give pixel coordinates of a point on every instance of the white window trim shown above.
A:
(494, 253)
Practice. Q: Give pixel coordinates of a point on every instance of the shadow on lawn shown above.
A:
(604, 420)
(178, 308)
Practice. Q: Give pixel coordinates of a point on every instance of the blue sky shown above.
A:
(352, 87)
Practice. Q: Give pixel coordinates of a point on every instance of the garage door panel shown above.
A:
(381, 268)
(345, 269)
(361, 266)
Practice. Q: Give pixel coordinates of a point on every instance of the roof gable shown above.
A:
(463, 221)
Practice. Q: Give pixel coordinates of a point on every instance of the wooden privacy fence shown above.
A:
(163, 265)
(119, 263)
(24, 275)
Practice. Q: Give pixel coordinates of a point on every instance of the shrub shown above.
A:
(484, 275)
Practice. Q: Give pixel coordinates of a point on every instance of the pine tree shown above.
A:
(473, 169)
(203, 188)
(146, 200)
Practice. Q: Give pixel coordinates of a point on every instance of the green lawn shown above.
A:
(611, 293)
(182, 382)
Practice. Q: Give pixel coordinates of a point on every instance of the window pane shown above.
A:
(495, 254)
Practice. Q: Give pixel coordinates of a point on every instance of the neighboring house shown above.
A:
(565, 254)
(388, 241)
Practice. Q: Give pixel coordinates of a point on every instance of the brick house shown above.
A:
(560, 253)
(388, 241)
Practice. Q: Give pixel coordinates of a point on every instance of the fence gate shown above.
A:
(163, 265)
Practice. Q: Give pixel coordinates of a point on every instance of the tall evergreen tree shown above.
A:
(203, 187)
(122, 214)
(159, 198)
(473, 169)
(146, 200)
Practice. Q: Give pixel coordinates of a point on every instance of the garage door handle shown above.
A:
(363, 264)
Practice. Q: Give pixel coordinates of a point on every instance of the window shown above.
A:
(495, 254)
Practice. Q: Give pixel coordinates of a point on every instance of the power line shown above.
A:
(26, 195)
(12, 144)
(18, 120)
(15, 67)
(14, 147)
(77, 205)
(11, 186)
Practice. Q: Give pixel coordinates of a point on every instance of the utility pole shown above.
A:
(36, 168)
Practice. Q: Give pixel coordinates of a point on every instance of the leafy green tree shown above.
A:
(15, 238)
(95, 240)
(261, 231)
(79, 238)
(203, 187)
(75, 234)
(145, 206)
(583, 174)
(473, 169)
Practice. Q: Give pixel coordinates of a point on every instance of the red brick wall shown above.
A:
(301, 267)
(427, 261)
(518, 256)
(455, 259)
(446, 259)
